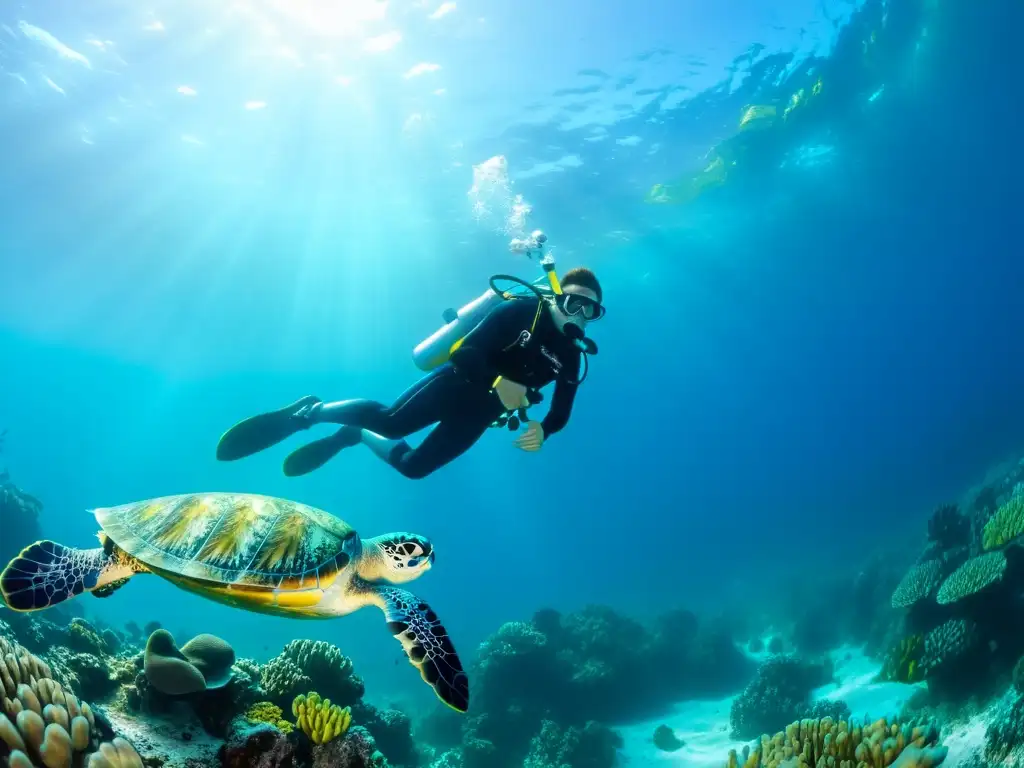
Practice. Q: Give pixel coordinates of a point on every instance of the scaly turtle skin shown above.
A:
(254, 552)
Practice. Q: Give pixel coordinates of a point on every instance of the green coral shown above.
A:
(82, 636)
(267, 712)
(320, 720)
(917, 584)
(1005, 525)
(947, 643)
(972, 577)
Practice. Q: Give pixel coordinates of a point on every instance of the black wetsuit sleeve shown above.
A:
(561, 403)
(475, 358)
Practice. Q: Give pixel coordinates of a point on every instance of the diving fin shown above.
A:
(257, 433)
(314, 455)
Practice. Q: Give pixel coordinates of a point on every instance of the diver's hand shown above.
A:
(512, 395)
(532, 439)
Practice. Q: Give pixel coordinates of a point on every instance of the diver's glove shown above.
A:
(512, 395)
(532, 438)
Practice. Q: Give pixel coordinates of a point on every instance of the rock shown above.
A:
(258, 745)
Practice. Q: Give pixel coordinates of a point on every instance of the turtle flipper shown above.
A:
(425, 641)
(259, 432)
(47, 573)
(314, 455)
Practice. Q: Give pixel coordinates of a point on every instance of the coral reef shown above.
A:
(1005, 733)
(972, 577)
(45, 725)
(590, 746)
(778, 694)
(962, 629)
(827, 742)
(1006, 524)
(591, 666)
(356, 750)
(257, 746)
(302, 662)
(919, 583)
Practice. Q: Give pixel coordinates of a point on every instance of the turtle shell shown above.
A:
(235, 539)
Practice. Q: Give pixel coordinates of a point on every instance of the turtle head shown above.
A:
(396, 557)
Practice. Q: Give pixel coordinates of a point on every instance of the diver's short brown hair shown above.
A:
(584, 278)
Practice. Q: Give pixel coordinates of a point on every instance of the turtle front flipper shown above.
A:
(47, 573)
(425, 641)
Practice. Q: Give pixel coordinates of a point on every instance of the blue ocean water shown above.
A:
(206, 212)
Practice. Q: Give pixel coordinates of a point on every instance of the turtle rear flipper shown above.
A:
(47, 573)
(425, 641)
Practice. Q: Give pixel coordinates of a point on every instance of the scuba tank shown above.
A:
(437, 349)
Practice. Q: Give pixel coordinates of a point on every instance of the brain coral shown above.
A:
(44, 725)
(843, 744)
(917, 584)
(972, 577)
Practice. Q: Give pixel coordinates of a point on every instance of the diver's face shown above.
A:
(577, 318)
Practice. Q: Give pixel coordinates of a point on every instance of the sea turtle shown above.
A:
(255, 552)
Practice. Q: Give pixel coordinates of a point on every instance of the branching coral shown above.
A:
(843, 744)
(917, 584)
(1005, 525)
(947, 643)
(303, 661)
(320, 720)
(592, 746)
(778, 693)
(44, 725)
(282, 679)
(972, 577)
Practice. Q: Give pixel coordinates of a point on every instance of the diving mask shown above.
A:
(573, 304)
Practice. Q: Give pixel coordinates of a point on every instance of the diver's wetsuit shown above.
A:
(458, 396)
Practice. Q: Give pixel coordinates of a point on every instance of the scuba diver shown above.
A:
(487, 365)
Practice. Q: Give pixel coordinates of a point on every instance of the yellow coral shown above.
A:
(319, 719)
(39, 717)
(266, 712)
(1005, 525)
(902, 663)
(826, 742)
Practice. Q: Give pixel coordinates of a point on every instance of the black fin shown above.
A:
(257, 433)
(314, 455)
